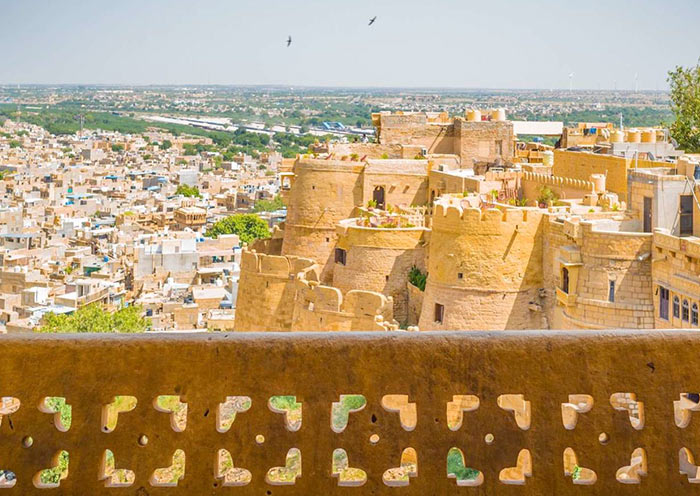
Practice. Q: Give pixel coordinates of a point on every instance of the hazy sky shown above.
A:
(438, 43)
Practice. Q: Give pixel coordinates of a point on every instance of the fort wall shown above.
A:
(581, 165)
(483, 140)
(380, 259)
(324, 192)
(613, 287)
(327, 191)
(267, 290)
(324, 308)
(485, 268)
(564, 187)
(282, 293)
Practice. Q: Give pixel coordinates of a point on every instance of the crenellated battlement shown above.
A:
(451, 213)
(560, 182)
(322, 308)
(277, 265)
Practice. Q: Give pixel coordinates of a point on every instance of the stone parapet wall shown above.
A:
(282, 293)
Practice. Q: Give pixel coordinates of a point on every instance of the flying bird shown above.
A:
(289, 41)
(371, 21)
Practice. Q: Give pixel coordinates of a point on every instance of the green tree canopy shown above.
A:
(685, 98)
(268, 205)
(166, 145)
(94, 318)
(248, 227)
(189, 191)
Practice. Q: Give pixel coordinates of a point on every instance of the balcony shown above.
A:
(565, 299)
(431, 412)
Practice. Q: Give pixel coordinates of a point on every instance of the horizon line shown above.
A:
(340, 87)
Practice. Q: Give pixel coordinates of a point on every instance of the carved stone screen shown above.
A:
(528, 413)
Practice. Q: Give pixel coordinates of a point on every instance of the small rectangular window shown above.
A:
(340, 256)
(460, 275)
(663, 303)
(439, 313)
(499, 147)
(565, 280)
(686, 215)
(611, 291)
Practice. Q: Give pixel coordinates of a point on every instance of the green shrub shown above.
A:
(417, 278)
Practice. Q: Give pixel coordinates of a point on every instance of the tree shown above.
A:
(248, 227)
(685, 98)
(189, 191)
(166, 145)
(117, 148)
(94, 318)
(269, 205)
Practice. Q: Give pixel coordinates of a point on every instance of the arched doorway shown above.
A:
(378, 197)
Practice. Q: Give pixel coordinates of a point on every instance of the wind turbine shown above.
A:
(636, 82)
(571, 82)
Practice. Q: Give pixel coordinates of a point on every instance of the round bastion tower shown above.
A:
(484, 269)
(323, 192)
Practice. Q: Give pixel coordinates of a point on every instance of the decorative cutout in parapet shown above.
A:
(290, 408)
(457, 469)
(230, 475)
(347, 475)
(578, 403)
(110, 412)
(517, 404)
(226, 411)
(634, 408)
(408, 413)
(178, 410)
(686, 465)
(633, 473)
(8, 479)
(121, 477)
(341, 410)
(8, 406)
(579, 475)
(683, 408)
(455, 409)
(169, 476)
(287, 475)
(401, 475)
(52, 477)
(523, 468)
(62, 411)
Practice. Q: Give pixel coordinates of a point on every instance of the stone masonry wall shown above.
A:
(379, 260)
(485, 268)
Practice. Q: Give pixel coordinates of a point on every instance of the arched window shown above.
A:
(676, 307)
(565, 280)
(694, 315)
(686, 311)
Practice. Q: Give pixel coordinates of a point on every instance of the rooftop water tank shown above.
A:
(498, 115)
(649, 136)
(617, 136)
(473, 115)
(634, 136)
(548, 158)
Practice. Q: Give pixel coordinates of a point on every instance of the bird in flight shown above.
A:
(289, 41)
(371, 21)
